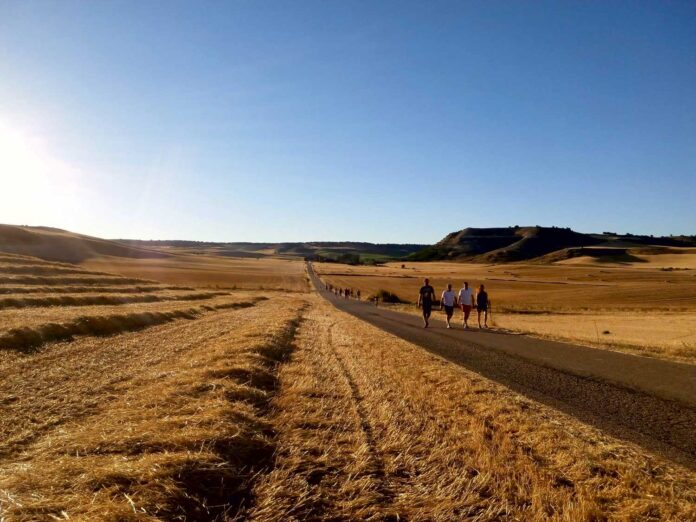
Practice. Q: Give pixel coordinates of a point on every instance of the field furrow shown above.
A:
(100, 289)
(111, 321)
(326, 465)
(100, 299)
(88, 279)
(17, 318)
(40, 270)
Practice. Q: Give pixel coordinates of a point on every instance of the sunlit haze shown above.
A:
(374, 121)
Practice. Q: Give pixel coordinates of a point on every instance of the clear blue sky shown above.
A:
(333, 120)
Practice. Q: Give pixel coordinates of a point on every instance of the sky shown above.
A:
(338, 120)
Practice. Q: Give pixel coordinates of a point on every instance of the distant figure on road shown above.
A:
(466, 303)
(482, 305)
(426, 296)
(358, 294)
(448, 300)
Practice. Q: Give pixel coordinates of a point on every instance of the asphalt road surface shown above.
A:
(647, 401)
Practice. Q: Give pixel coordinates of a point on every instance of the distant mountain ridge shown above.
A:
(316, 249)
(510, 244)
(485, 245)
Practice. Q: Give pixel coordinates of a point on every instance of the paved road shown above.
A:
(647, 401)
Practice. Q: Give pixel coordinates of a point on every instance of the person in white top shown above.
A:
(448, 300)
(466, 303)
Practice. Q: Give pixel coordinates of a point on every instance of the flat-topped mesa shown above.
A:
(509, 244)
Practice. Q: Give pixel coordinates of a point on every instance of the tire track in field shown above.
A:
(379, 473)
(327, 466)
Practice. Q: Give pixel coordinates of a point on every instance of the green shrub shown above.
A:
(385, 296)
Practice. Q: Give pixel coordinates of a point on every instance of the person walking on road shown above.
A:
(448, 299)
(466, 303)
(483, 304)
(426, 296)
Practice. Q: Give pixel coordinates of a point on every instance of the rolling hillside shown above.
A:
(54, 244)
(330, 250)
(484, 245)
(549, 244)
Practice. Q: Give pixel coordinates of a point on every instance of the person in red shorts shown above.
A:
(465, 299)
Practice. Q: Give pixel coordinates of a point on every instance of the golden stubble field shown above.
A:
(640, 308)
(236, 406)
(207, 270)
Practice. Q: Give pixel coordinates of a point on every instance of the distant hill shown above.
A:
(60, 245)
(330, 250)
(485, 245)
(551, 244)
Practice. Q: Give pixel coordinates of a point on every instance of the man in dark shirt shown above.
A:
(426, 296)
(483, 304)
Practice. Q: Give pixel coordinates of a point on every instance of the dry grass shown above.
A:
(210, 271)
(17, 317)
(178, 421)
(71, 280)
(161, 425)
(22, 301)
(647, 257)
(16, 259)
(58, 316)
(669, 335)
(374, 428)
(70, 289)
(37, 269)
(30, 337)
(646, 310)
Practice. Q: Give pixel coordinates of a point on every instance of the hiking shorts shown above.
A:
(467, 310)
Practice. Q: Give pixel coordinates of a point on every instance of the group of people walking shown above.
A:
(466, 299)
(347, 293)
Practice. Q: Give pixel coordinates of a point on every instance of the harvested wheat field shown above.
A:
(94, 303)
(373, 428)
(206, 270)
(647, 310)
(239, 405)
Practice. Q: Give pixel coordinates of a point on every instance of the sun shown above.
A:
(21, 166)
(33, 182)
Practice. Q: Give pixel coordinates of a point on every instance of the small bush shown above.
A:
(386, 296)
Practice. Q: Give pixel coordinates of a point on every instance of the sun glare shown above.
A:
(35, 186)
